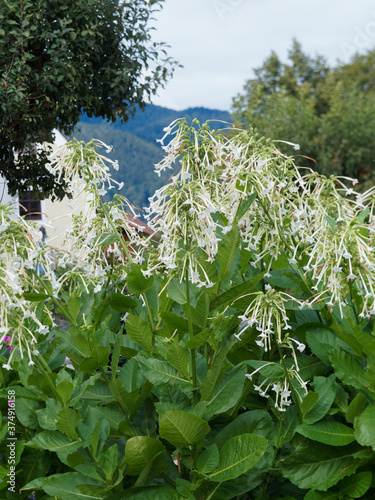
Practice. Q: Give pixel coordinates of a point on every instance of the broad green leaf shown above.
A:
(321, 341)
(137, 283)
(318, 466)
(177, 292)
(201, 309)
(110, 461)
(67, 419)
(64, 385)
(244, 206)
(131, 375)
(161, 372)
(74, 305)
(238, 455)
(148, 493)
(331, 223)
(34, 296)
(183, 428)
(208, 460)
(139, 332)
(230, 296)
(122, 303)
(47, 416)
(361, 217)
(179, 358)
(228, 253)
(107, 239)
(35, 463)
(348, 370)
(227, 392)
(319, 495)
(268, 369)
(26, 411)
(356, 407)
(279, 279)
(66, 486)
(140, 451)
(327, 432)
(251, 422)
(326, 389)
(356, 486)
(185, 488)
(55, 441)
(214, 374)
(364, 427)
(198, 340)
(308, 402)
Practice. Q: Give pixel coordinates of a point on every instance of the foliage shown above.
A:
(59, 60)
(328, 112)
(233, 358)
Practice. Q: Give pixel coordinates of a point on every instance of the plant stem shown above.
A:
(128, 256)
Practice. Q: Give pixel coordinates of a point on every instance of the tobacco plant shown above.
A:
(228, 355)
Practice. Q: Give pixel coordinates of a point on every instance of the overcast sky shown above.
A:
(219, 42)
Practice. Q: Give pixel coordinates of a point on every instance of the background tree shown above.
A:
(61, 59)
(330, 112)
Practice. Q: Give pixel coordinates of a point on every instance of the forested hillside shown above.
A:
(135, 147)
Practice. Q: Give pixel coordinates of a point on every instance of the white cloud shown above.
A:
(219, 42)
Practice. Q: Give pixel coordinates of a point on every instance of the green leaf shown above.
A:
(74, 305)
(364, 427)
(208, 460)
(356, 407)
(348, 370)
(140, 451)
(26, 411)
(161, 372)
(244, 207)
(238, 455)
(131, 375)
(107, 239)
(251, 422)
(139, 332)
(201, 310)
(54, 441)
(361, 217)
(198, 340)
(356, 486)
(121, 303)
(268, 369)
(35, 297)
(228, 253)
(66, 486)
(318, 466)
(137, 283)
(308, 402)
(227, 392)
(64, 385)
(328, 432)
(331, 223)
(179, 358)
(318, 495)
(183, 428)
(230, 296)
(177, 292)
(326, 390)
(66, 422)
(148, 493)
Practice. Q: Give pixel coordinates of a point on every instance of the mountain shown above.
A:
(135, 147)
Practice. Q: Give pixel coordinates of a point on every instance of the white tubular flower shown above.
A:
(267, 311)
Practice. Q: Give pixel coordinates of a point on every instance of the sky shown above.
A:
(219, 42)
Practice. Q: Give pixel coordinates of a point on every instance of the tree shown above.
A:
(329, 112)
(59, 59)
